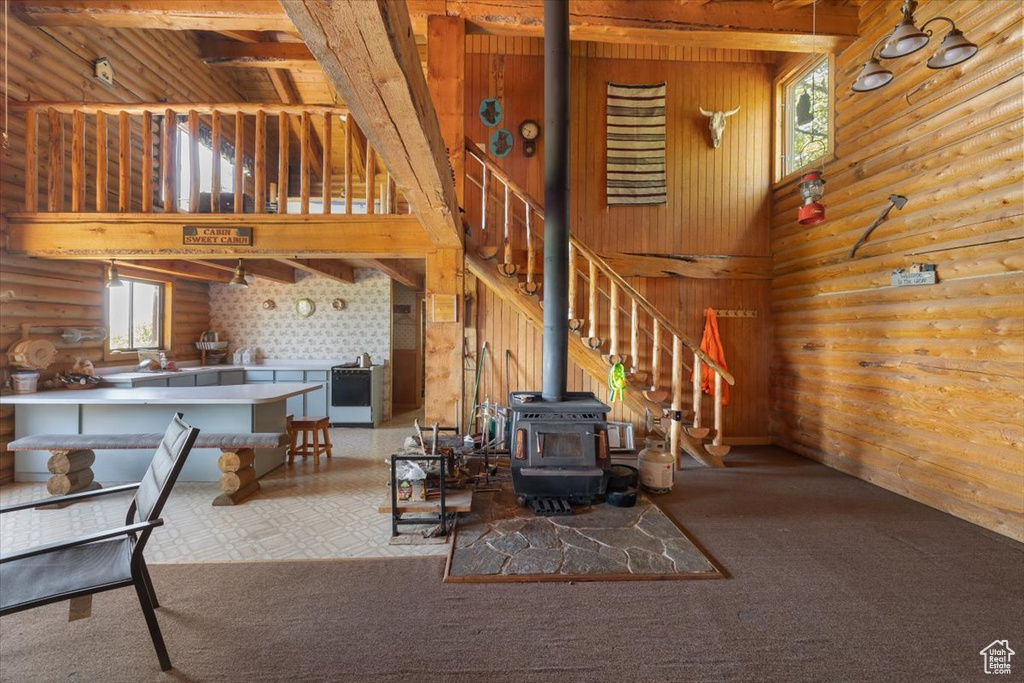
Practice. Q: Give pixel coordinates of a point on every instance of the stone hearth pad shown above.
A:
(500, 541)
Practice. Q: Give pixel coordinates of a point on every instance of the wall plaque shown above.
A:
(199, 234)
(916, 274)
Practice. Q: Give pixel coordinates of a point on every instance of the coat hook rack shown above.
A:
(735, 313)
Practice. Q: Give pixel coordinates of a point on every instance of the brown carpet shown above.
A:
(832, 579)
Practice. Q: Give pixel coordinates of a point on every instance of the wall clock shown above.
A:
(490, 112)
(305, 307)
(529, 131)
(501, 143)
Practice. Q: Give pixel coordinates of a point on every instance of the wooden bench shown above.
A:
(72, 456)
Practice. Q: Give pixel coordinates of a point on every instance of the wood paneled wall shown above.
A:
(718, 199)
(916, 389)
(55, 64)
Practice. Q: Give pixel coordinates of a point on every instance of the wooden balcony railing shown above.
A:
(601, 302)
(124, 157)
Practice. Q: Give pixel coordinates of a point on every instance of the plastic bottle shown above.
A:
(163, 361)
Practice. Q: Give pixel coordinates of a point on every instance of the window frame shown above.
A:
(166, 297)
(788, 75)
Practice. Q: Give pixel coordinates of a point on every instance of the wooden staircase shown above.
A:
(602, 305)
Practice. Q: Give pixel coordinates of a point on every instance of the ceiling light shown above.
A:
(954, 48)
(873, 76)
(112, 279)
(238, 279)
(906, 38)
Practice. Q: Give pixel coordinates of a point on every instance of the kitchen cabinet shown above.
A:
(208, 379)
(313, 403)
(182, 381)
(231, 377)
(155, 382)
(256, 376)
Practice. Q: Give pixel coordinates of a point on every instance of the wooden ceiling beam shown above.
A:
(263, 268)
(182, 269)
(159, 236)
(367, 52)
(332, 269)
(399, 270)
(181, 15)
(256, 55)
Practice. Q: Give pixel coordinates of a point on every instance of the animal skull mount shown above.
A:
(717, 124)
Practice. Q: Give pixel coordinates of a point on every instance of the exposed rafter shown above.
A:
(368, 54)
(194, 15)
(399, 270)
(266, 269)
(331, 269)
(182, 269)
(293, 56)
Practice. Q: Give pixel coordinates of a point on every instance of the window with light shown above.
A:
(135, 315)
(806, 117)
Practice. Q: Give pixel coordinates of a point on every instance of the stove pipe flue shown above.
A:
(556, 199)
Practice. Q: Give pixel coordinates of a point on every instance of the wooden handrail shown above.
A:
(616, 280)
(137, 108)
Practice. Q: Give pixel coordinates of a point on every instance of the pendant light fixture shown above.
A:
(238, 279)
(112, 279)
(812, 184)
(906, 39)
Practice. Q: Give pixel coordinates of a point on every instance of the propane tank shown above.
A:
(656, 465)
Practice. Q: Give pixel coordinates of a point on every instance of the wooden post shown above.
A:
(446, 69)
(101, 162)
(483, 201)
(282, 163)
(193, 161)
(325, 174)
(574, 323)
(371, 179)
(390, 192)
(238, 476)
(70, 472)
(444, 338)
(507, 268)
(31, 162)
(239, 162)
(698, 431)
(676, 435)
(77, 161)
(530, 287)
(124, 163)
(593, 341)
(347, 159)
(717, 446)
(260, 163)
(147, 162)
(613, 323)
(304, 163)
(215, 166)
(55, 177)
(168, 157)
(634, 335)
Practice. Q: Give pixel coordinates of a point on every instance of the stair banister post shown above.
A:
(698, 368)
(655, 355)
(31, 161)
(483, 199)
(717, 441)
(613, 323)
(507, 211)
(593, 341)
(677, 396)
(634, 334)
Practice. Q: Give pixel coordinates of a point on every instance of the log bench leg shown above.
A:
(238, 478)
(70, 472)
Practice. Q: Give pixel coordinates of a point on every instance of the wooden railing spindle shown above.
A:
(371, 179)
(77, 161)
(101, 162)
(215, 166)
(325, 174)
(304, 163)
(483, 201)
(531, 287)
(634, 335)
(613, 324)
(239, 162)
(347, 158)
(675, 435)
(260, 163)
(124, 163)
(282, 163)
(593, 341)
(31, 161)
(507, 267)
(55, 176)
(193, 161)
(574, 322)
(169, 158)
(147, 162)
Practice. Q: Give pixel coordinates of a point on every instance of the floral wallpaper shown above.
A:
(403, 327)
(243, 316)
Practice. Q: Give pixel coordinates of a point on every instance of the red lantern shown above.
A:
(812, 187)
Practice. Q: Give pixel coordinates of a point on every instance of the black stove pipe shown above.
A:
(556, 199)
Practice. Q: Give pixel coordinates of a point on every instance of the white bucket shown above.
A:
(24, 381)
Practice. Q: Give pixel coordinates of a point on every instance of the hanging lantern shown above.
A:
(812, 187)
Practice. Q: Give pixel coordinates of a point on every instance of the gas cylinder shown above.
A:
(656, 465)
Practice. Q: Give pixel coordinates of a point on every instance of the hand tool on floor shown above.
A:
(471, 418)
(897, 200)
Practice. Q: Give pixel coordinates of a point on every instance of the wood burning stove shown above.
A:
(559, 449)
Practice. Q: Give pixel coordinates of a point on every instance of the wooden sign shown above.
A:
(234, 237)
(915, 274)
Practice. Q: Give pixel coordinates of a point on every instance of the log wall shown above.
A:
(55, 64)
(718, 201)
(916, 389)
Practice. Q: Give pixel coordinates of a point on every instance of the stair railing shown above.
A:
(604, 310)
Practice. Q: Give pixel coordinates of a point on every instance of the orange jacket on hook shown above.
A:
(711, 344)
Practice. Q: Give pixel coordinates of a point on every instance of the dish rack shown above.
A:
(212, 353)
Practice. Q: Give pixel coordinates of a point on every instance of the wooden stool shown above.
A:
(311, 428)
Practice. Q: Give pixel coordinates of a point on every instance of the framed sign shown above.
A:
(199, 234)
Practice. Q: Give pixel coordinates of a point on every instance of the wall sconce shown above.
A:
(238, 279)
(812, 187)
(112, 279)
(906, 39)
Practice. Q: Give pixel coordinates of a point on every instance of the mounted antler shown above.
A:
(717, 123)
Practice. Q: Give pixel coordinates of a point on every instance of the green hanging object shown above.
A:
(804, 115)
(616, 382)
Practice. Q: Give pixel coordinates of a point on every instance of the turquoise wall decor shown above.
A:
(501, 143)
(490, 112)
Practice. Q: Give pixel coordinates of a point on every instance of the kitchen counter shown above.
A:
(201, 369)
(249, 394)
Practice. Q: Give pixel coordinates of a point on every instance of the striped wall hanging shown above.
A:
(636, 144)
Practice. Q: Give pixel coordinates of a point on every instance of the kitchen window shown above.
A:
(135, 315)
(804, 133)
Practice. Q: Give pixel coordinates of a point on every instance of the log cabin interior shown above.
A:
(314, 181)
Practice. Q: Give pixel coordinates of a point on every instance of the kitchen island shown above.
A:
(245, 408)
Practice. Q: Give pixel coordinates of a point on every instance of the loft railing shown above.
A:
(124, 158)
(599, 300)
